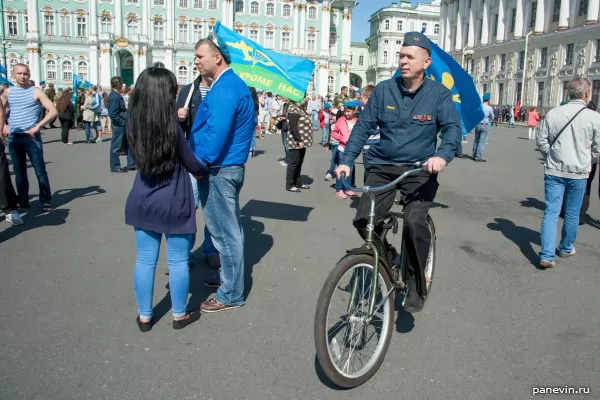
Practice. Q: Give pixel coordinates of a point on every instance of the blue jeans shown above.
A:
(555, 188)
(20, 147)
(481, 135)
(148, 246)
(88, 134)
(207, 246)
(315, 119)
(325, 132)
(220, 199)
(347, 181)
(118, 136)
(333, 162)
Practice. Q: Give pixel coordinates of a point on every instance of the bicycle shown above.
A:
(371, 304)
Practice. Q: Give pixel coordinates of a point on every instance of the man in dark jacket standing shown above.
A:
(118, 117)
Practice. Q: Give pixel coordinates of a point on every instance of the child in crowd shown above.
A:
(341, 133)
(374, 137)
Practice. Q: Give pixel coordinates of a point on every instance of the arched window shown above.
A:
(159, 65)
(11, 64)
(182, 75)
(287, 10)
(239, 6)
(397, 59)
(270, 9)
(254, 8)
(159, 31)
(312, 12)
(49, 28)
(106, 25)
(387, 24)
(51, 70)
(82, 70)
(133, 27)
(385, 57)
(67, 71)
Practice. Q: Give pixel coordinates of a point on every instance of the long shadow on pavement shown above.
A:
(519, 235)
(532, 202)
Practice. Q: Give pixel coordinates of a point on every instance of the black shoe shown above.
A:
(144, 326)
(130, 168)
(413, 302)
(479, 160)
(459, 156)
(192, 317)
(119, 170)
(212, 283)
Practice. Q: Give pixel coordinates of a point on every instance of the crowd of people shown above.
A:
(189, 151)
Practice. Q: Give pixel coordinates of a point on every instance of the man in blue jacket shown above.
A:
(409, 111)
(220, 138)
(118, 118)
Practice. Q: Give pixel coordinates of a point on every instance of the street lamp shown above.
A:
(467, 54)
(5, 44)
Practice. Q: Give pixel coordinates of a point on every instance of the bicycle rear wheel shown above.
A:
(350, 345)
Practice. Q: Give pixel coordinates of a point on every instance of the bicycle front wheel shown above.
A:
(351, 342)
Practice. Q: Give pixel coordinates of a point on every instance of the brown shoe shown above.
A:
(567, 255)
(547, 264)
(213, 306)
(213, 261)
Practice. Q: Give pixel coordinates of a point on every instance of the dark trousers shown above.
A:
(8, 197)
(117, 141)
(21, 148)
(588, 193)
(65, 125)
(418, 191)
(294, 168)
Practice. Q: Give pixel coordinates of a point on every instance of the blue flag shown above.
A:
(445, 70)
(78, 83)
(4, 81)
(283, 74)
(2, 69)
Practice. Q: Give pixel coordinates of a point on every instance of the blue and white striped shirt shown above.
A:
(24, 110)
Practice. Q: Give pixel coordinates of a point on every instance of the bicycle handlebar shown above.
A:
(419, 167)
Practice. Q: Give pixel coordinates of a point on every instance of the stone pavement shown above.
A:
(494, 326)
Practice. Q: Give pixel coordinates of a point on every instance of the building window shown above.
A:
(159, 32)
(351, 59)
(312, 12)
(485, 88)
(270, 9)
(569, 58)
(254, 35)
(598, 50)
(51, 70)
(285, 41)
(556, 11)
(519, 89)
(81, 27)
(596, 92)
(270, 39)
(212, 4)
(159, 2)
(540, 99)
(254, 8)
(239, 6)
(65, 25)
(385, 57)
(399, 25)
(183, 3)
(198, 4)
(182, 75)
(522, 59)
(311, 43)
(132, 27)
(436, 29)
(49, 24)
(361, 60)
(82, 70)
(583, 7)
(197, 32)
(565, 90)
(287, 10)
(543, 57)
(183, 32)
(495, 25)
(513, 20)
(387, 24)
(385, 41)
(502, 62)
(500, 92)
(132, 1)
(26, 23)
(486, 64)
(67, 70)
(12, 25)
(106, 25)
(424, 27)
(239, 31)
(533, 14)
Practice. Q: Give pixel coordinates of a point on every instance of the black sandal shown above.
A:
(192, 317)
(144, 326)
(46, 208)
(295, 190)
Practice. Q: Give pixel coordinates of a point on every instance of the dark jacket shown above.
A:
(166, 205)
(69, 113)
(194, 103)
(117, 110)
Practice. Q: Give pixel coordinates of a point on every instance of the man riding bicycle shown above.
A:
(409, 111)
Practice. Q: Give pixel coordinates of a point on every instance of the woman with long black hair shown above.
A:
(161, 200)
(66, 114)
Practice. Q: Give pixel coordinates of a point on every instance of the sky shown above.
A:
(362, 13)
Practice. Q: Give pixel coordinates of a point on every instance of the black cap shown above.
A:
(417, 39)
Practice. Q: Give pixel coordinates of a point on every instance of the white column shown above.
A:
(325, 26)
(449, 26)
(501, 25)
(118, 23)
(539, 18)
(105, 67)
(93, 64)
(145, 22)
(471, 33)
(485, 34)
(460, 4)
(519, 20)
(323, 74)
(223, 11)
(302, 33)
(93, 22)
(33, 36)
(592, 13)
(295, 30)
(563, 18)
(170, 28)
(346, 37)
(33, 20)
(443, 16)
